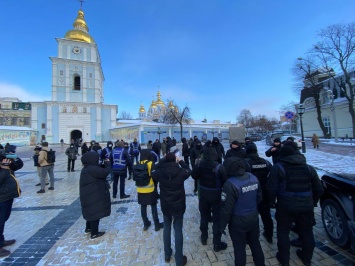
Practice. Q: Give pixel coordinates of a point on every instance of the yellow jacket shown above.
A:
(150, 187)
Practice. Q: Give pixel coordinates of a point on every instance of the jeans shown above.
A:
(241, 236)
(178, 221)
(122, 178)
(304, 222)
(210, 201)
(186, 160)
(47, 169)
(72, 162)
(5, 212)
(93, 226)
(154, 214)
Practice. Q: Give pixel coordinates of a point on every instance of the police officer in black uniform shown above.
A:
(211, 176)
(260, 168)
(240, 197)
(297, 188)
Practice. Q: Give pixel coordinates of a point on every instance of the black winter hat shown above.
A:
(277, 140)
(289, 148)
(234, 166)
(235, 142)
(251, 148)
(291, 144)
(11, 148)
(247, 138)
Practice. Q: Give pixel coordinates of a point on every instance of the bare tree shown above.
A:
(336, 49)
(177, 115)
(262, 123)
(309, 71)
(245, 117)
(124, 115)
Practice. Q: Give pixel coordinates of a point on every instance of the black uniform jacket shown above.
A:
(277, 176)
(171, 177)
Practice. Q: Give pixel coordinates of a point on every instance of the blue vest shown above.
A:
(119, 162)
(246, 202)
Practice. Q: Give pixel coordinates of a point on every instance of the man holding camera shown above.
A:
(9, 189)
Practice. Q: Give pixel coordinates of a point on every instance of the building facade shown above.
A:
(334, 108)
(77, 109)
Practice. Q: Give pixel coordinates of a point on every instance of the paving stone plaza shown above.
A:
(49, 229)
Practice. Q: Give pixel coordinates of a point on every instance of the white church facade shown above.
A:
(77, 108)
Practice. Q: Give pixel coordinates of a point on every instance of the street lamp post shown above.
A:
(300, 111)
(332, 108)
(159, 132)
(213, 132)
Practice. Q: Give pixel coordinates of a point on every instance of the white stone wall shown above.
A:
(74, 121)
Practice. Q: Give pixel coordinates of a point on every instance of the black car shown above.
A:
(338, 208)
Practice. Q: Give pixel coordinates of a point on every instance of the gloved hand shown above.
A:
(272, 205)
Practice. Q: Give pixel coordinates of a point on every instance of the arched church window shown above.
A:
(64, 109)
(75, 109)
(84, 110)
(43, 125)
(77, 83)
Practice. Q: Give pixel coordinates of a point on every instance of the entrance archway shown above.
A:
(76, 135)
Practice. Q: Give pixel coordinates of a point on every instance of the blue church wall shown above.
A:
(55, 124)
(41, 118)
(89, 70)
(61, 94)
(90, 95)
(106, 123)
(93, 127)
(76, 96)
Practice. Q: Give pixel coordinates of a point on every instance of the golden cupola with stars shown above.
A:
(81, 30)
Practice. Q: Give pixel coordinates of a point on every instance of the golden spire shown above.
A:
(159, 101)
(171, 105)
(153, 104)
(80, 31)
(142, 109)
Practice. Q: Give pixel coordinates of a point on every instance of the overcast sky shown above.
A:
(218, 57)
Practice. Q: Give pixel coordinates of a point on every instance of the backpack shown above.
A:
(50, 156)
(135, 149)
(141, 174)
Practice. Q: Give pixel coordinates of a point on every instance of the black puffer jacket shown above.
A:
(218, 147)
(205, 170)
(171, 177)
(235, 152)
(9, 187)
(185, 147)
(94, 191)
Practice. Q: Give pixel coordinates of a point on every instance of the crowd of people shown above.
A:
(233, 188)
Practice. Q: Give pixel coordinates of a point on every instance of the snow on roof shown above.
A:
(16, 128)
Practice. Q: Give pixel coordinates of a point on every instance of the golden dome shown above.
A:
(141, 109)
(80, 31)
(171, 105)
(159, 101)
(153, 104)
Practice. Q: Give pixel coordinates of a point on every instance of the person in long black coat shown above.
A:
(94, 192)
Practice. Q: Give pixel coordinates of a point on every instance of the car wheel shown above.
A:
(335, 223)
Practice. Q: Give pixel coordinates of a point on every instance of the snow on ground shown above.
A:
(322, 161)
